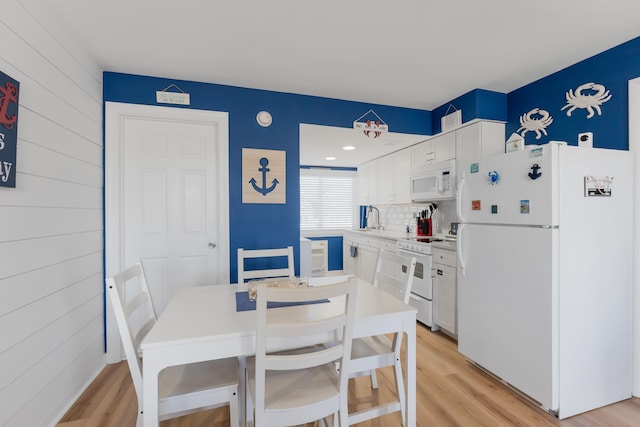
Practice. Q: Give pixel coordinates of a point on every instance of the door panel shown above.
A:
(166, 199)
(170, 201)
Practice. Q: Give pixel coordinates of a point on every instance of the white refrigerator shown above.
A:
(545, 273)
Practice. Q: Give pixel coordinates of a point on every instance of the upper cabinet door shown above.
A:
(475, 142)
(403, 173)
(434, 150)
(367, 183)
(444, 147)
(422, 154)
(387, 179)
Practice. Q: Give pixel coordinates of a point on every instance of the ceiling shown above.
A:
(407, 53)
(319, 142)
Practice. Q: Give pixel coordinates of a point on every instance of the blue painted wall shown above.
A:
(477, 104)
(261, 225)
(257, 225)
(612, 68)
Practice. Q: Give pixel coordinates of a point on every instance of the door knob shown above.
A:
(212, 245)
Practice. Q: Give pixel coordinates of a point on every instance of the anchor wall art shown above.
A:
(264, 176)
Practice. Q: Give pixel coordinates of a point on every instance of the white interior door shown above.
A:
(166, 199)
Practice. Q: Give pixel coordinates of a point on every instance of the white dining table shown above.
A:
(201, 323)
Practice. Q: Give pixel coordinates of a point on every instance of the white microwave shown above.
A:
(434, 182)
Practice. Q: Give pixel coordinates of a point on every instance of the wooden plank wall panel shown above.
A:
(40, 192)
(40, 161)
(51, 233)
(46, 222)
(35, 130)
(46, 281)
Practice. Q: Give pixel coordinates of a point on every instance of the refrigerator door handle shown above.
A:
(459, 249)
(459, 198)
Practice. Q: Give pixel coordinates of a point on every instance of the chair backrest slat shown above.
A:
(271, 255)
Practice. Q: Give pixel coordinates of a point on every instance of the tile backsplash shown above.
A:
(397, 217)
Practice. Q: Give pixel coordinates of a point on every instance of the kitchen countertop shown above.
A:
(383, 234)
(438, 241)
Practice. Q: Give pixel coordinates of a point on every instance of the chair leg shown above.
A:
(397, 370)
(242, 390)
(374, 379)
(234, 409)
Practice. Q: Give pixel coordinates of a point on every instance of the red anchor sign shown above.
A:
(8, 94)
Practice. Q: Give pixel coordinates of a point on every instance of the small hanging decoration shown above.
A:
(535, 124)
(451, 120)
(590, 102)
(164, 96)
(371, 128)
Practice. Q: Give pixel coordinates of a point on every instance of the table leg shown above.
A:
(150, 374)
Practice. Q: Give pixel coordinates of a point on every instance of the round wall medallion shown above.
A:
(264, 118)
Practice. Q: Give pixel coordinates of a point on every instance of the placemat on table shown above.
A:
(243, 303)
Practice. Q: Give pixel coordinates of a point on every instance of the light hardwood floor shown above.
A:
(451, 392)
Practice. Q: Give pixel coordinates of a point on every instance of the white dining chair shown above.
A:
(301, 386)
(270, 258)
(393, 274)
(181, 389)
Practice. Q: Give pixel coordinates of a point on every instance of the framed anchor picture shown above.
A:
(264, 176)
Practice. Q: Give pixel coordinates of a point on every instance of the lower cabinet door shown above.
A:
(444, 297)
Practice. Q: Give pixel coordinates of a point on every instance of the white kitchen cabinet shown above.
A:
(367, 179)
(434, 150)
(347, 259)
(386, 167)
(403, 173)
(475, 141)
(368, 255)
(363, 264)
(388, 244)
(445, 290)
(385, 181)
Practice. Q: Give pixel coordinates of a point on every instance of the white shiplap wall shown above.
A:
(51, 233)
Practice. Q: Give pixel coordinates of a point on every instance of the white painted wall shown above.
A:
(51, 236)
(634, 146)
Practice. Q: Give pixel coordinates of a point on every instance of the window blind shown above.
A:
(327, 199)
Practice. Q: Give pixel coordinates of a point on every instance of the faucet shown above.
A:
(378, 226)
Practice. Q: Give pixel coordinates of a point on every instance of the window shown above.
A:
(327, 199)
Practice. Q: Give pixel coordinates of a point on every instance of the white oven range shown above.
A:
(422, 288)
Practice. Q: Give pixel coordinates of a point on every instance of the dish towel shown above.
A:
(243, 303)
(353, 251)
